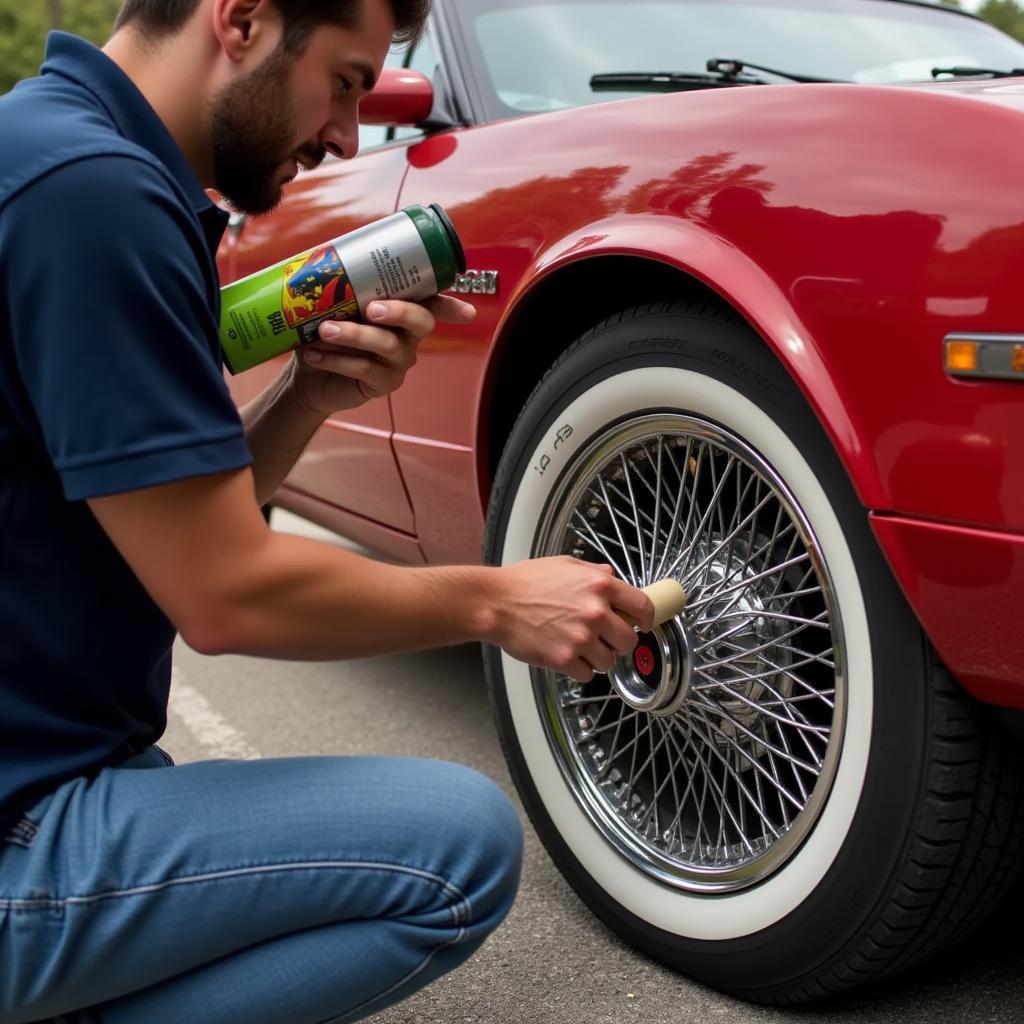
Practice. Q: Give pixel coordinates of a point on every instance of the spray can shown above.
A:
(413, 254)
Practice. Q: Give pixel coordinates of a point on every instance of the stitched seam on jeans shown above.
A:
(401, 981)
(462, 911)
(214, 876)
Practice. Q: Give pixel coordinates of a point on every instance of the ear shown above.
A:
(245, 26)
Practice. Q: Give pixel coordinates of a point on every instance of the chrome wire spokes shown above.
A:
(715, 788)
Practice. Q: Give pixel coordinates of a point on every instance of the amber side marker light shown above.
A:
(984, 356)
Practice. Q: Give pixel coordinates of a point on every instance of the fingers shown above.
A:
(599, 655)
(412, 317)
(365, 369)
(632, 609)
(597, 659)
(381, 318)
(632, 602)
(392, 337)
(419, 318)
(363, 343)
(595, 656)
(390, 327)
(580, 671)
(354, 362)
(451, 310)
(619, 636)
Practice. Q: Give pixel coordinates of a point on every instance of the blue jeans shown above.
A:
(293, 891)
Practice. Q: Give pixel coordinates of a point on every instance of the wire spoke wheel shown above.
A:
(704, 758)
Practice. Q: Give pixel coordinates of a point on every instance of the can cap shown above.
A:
(457, 251)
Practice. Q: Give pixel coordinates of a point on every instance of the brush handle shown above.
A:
(669, 601)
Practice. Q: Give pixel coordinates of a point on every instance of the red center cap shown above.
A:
(644, 659)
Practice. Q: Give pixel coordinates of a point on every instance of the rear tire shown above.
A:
(913, 827)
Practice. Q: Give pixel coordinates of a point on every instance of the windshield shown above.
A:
(533, 56)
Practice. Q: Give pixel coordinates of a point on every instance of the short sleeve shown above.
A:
(113, 331)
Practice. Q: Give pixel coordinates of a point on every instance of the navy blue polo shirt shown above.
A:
(110, 380)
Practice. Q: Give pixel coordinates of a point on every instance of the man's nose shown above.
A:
(341, 137)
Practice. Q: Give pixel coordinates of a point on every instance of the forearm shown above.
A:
(277, 430)
(231, 585)
(303, 600)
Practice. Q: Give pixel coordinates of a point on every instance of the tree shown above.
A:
(1007, 15)
(25, 23)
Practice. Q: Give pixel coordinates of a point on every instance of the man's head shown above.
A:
(289, 77)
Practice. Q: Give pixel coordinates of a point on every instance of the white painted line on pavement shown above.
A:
(208, 727)
(283, 521)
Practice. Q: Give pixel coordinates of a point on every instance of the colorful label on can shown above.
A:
(315, 283)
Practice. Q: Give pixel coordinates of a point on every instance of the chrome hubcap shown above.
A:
(706, 756)
(656, 677)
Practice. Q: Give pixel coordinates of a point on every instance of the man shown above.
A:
(297, 890)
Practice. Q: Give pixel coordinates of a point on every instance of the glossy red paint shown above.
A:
(392, 544)
(965, 586)
(853, 226)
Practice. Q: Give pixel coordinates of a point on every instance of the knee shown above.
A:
(487, 841)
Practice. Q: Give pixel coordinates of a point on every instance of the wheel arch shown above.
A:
(606, 267)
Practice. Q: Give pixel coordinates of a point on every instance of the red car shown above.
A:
(750, 316)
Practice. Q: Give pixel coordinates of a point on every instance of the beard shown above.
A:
(252, 121)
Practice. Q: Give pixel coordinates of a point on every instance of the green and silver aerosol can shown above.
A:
(412, 255)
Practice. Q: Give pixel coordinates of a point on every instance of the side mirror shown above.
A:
(401, 98)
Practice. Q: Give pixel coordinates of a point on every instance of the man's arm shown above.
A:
(277, 429)
(231, 585)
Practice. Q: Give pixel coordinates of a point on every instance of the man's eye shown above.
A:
(344, 85)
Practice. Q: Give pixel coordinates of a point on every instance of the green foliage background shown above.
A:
(1005, 14)
(24, 24)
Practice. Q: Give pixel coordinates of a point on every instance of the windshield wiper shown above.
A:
(730, 67)
(665, 81)
(968, 72)
(722, 72)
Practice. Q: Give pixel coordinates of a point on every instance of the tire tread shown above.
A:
(962, 857)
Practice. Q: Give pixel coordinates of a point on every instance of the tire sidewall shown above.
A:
(828, 891)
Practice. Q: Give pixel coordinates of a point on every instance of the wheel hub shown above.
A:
(656, 677)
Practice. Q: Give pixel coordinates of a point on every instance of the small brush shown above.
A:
(669, 601)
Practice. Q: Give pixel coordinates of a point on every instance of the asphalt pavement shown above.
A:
(551, 962)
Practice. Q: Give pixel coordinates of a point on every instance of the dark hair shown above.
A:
(158, 18)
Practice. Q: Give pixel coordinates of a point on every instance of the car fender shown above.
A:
(691, 249)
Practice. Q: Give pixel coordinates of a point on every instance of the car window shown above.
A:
(540, 56)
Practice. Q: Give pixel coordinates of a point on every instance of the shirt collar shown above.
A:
(130, 111)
